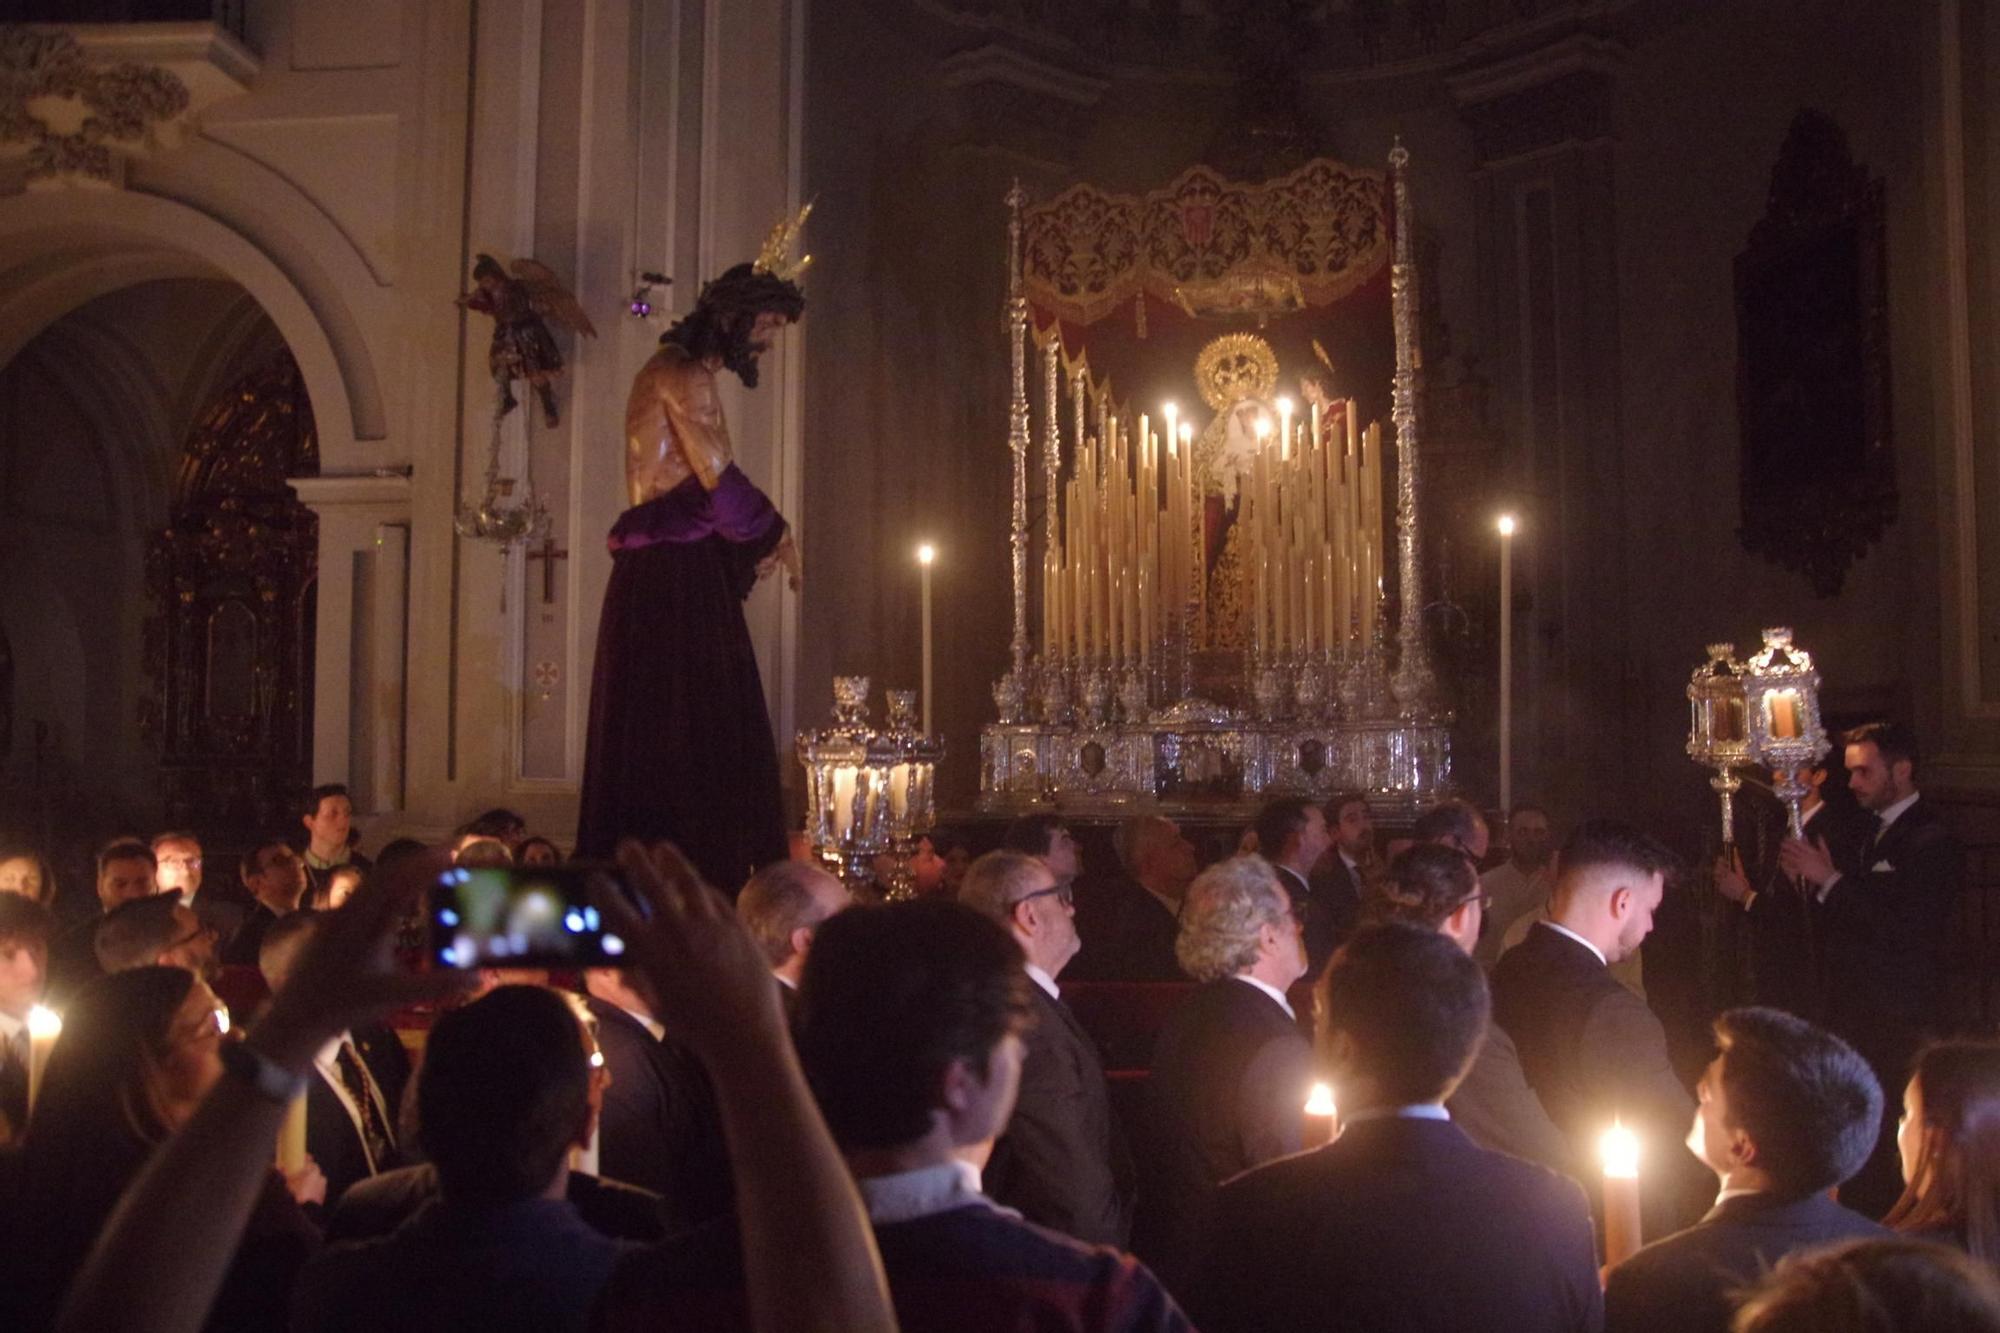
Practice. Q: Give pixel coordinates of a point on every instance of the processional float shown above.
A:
(1202, 622)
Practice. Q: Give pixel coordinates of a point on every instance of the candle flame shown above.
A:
(1263, 427)
(1506, 525)
(926, 553)
(1187, 432)
(1285, 406)
(1320, 1100)
(43, 1022)
(1619, 1147)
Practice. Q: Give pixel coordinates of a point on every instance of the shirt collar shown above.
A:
(1347, 860)
(1173, 908)
(1269, 990)
(647, 1021)
(1045, 981)
(1415, 1111)
(905, 1196)
(320, 863)
(1740, 1192)
(1561, 929)
(329, 1054)
(1895, 812)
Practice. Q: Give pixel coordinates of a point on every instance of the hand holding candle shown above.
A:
(1619, 1148)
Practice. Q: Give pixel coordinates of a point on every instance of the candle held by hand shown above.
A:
(1619, 1149)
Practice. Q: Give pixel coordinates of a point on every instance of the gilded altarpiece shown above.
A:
(229, 643)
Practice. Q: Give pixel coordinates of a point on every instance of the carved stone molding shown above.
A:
(1556, 94)
(1010, 100)
(76, 103)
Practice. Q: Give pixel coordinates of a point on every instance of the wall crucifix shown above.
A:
(548, 553)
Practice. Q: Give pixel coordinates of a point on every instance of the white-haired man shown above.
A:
(1231, 1068)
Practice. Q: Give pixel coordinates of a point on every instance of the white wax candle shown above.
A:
(43, 1029)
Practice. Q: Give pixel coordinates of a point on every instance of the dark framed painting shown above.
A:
(1818, 478)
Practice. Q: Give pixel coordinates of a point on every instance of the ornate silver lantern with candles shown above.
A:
(1718, 727)
(903, 764)
(1781, 703)
(846, 786)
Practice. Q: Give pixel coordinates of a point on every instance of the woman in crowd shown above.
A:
(538, 851)
(1950, 1141)
(138, 1052)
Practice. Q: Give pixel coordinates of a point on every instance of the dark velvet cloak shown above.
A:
(680, 743)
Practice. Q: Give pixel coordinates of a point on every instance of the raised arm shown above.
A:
(161, 1258)
(809, 1256)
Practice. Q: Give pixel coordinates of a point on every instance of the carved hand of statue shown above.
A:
(786, 553)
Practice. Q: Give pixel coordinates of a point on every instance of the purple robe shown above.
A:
(680, 745)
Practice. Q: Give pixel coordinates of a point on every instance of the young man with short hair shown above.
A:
(1340, 880)
(911, 1036)
(25, 928)
(329, 822)
(1401, 1222)
(156, 931)
(1292, 835)
(126, 870)
(1787, 1113)
(1518, 886)
(276, 878)
(1590, 1048)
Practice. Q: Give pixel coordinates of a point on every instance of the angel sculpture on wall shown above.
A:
(522, 299)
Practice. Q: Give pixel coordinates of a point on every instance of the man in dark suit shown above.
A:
(1340, 881)
(781, 906)
(660, 1127)
(1062, 1162)
(179, 870)
(1231, 1070)
(1138, 915)
(1886, 926)
(1401, 1222)
(1434, 887)
(358, 1078)
(1591, 1049)
(276, 878)
(1292, 835)
(25, 927)
(1788, 1111)
(125, 871)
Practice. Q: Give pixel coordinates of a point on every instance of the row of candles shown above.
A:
(1130, 557)
(1618, 1150)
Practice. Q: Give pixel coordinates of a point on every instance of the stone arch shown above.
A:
(59, 250)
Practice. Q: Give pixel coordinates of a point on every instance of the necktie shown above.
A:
(1868, 848)
(375, 1134)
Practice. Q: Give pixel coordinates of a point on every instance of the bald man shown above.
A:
(782, 906)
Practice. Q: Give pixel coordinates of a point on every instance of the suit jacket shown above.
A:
(73, 960)
(1886, 927)
(332, 1137)
(660, 1128)
(1132, 938)
(221, 915)
(1333, 908)
(1497, 1109)
(13, 1089)
(1783, 920)
(1230, 1075)
(1062, 1162)
(243, 946)
(1685, 1283)
(1591, 1050)
(380, 1204)
(1399, 1225)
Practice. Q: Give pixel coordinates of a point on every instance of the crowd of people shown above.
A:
(800, 1106)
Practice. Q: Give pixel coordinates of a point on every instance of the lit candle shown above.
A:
(43, 1028)
(292, 1138)
(844, 778)
(1321, 1115)
(925, 555)
(899, 791)
(1784, 707)
(1506, 526)
(1620, 1150)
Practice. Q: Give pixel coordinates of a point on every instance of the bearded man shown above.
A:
(680, 743)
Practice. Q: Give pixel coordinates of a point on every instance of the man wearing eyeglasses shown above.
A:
(276, 877)
(156, 931)
(1061, 1163)
(179, 859)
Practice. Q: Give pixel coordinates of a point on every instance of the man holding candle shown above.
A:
(25, 926)
(1590, 1048)
(1787, 1113)
(1886, 926)
(1401, 1222)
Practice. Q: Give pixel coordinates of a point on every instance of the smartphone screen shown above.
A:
(520, 916)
